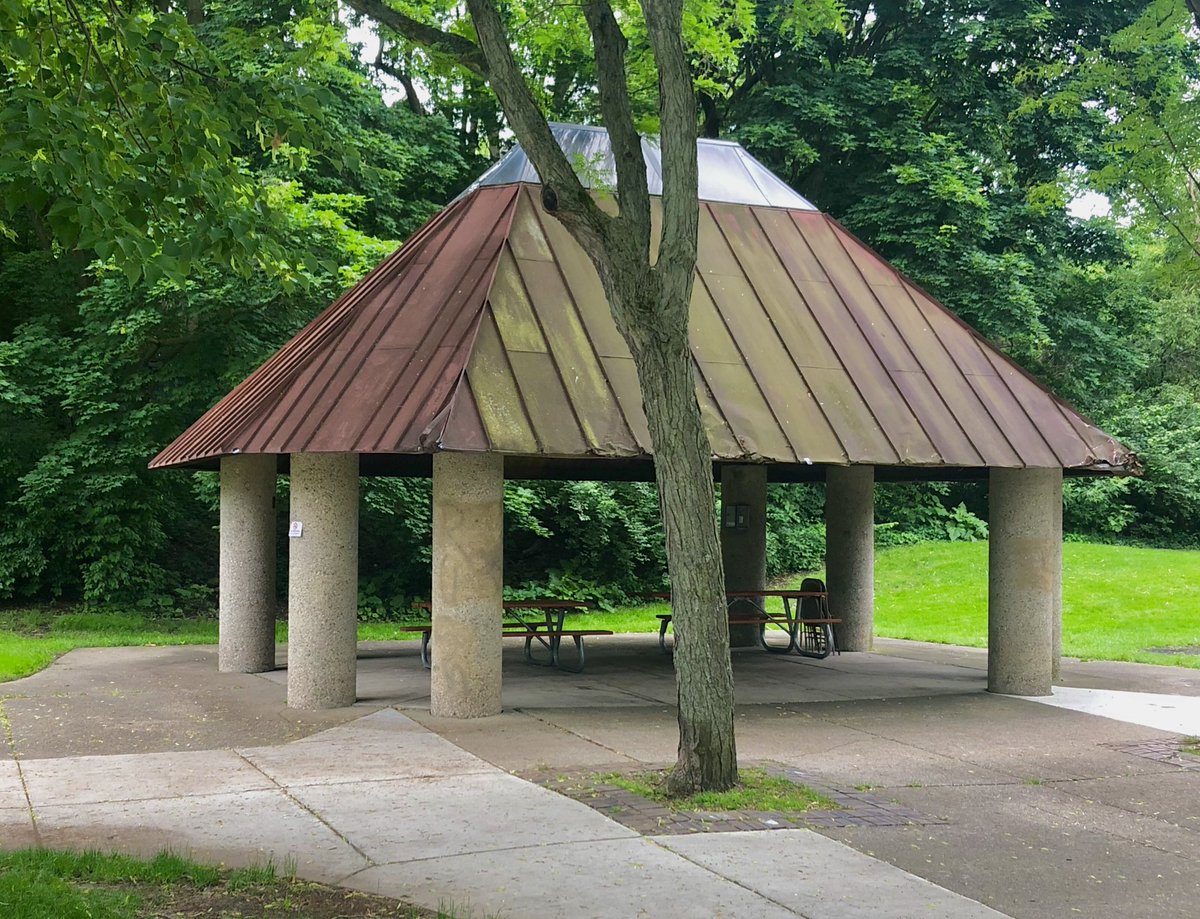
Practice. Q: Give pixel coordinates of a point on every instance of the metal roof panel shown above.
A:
(489, 330)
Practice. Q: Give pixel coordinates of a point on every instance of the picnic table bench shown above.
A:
(547, 631)
(807, 624)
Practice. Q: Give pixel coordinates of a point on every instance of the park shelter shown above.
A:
(484, 348)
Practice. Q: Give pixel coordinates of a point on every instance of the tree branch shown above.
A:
(461, 50)
(1167, 136)
(1165, 214)
(677, 112)
(712, 115)
(399, 73)
(609, 45)
(755, 74)
(577, 209)
(135, 133)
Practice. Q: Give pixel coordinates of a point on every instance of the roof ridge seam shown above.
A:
(904, 339)
(833, 349)
(587, 334)
(471, 306)
(473, 333)
(428, 233)
(796, 453)
(783, 343)
(272, 374)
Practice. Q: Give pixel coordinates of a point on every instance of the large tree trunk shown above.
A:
(654, 322)
(650, 305)
(682, 454)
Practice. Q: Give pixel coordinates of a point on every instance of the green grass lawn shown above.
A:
(42, 884)
(32, 637)
(1117, 602)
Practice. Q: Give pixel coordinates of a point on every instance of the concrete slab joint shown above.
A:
(323, 581)
(850, 554)
(247, 580)
(468, 570)
(1024, 579)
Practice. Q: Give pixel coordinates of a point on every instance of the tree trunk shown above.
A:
(650, 305)
(656, 329)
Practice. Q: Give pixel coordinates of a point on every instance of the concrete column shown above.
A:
(744, 549)
(1056, 591)
(247, 585)
(323, 581)
(1024, 578)
(468, 581)
(850, 554)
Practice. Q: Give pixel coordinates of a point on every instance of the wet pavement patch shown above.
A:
(653, 818)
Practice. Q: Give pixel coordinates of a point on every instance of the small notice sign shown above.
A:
(296, 530)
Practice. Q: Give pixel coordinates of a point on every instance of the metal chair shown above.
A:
(814, 639)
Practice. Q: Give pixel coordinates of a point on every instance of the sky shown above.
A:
(1089, 204)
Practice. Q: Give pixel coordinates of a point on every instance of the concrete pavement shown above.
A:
(384, 805)
(1034, 810)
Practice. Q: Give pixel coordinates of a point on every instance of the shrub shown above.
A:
(795, 528)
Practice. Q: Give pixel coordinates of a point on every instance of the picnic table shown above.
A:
(547, 629)
(805, 620)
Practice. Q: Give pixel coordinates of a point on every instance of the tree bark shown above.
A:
(658, 341)
(650, 304)
(707, 757)
(462, 51)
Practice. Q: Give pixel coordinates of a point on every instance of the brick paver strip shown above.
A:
(1162, 751)
(854, 808)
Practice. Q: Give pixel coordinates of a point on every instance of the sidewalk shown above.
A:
(386, 806)
(1035, 810)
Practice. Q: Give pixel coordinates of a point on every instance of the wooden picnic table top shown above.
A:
(525, 604)
(735, 594)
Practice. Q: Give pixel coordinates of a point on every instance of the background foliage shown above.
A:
(183, 186)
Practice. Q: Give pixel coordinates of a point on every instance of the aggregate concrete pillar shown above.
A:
(468, 579)
(744, 545)
(247, 584)
(323, 581)
(850, 554)
(1024, 578)
(1056, 594)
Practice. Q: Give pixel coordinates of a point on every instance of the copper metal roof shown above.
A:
(489, 331)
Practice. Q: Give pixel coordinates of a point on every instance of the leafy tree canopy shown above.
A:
(155, 142)
(182, 185)
(125, 316)
(921, 126)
